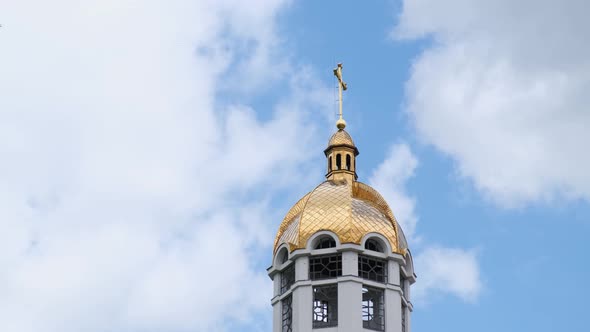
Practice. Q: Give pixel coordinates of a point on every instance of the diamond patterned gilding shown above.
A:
(350, 210)
(328, 208)
(291, 234)
(341, 137)
(370, 219)
(287, 221)
(365, 192)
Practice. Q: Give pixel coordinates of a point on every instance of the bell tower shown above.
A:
(341, 262)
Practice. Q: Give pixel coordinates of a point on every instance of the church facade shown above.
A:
(341, 262)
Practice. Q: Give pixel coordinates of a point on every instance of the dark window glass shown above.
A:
(348, 162)
(325, 306)
(287, 278)
(373, 308)
(330, 164)
(325, 266)
(374, 245)
(283, 256)
(325, 242)
(338, 161)
(373, 268)
(287, 314)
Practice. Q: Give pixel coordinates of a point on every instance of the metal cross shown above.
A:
(341, 86)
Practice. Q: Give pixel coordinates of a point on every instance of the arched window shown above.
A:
(348, 162)
(374, 245)
(338, 161)
(325, 242)
(283, 256)
(330, 163)
(409, 267)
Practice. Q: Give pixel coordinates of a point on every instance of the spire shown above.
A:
(341, 152)
(340, 124)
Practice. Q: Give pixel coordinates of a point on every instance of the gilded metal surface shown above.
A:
(287, 232)
(349, 209)
(328, 208)
(365, 192)
(341, 137)
(291, 234)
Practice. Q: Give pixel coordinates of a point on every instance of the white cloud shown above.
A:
(503, 90)
(390, 177)
(447, 271)
(440, 270)
(129, 197)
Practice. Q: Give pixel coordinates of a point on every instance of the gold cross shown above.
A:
(341, 86)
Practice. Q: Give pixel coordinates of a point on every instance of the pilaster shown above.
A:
(302, 268)
(393, 313)
(393, 272)
(349, 306)
(277, 316)
(350, 263)
(302, 308)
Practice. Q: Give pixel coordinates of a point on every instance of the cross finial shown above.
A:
(341, 86)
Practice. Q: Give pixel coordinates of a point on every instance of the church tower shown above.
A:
(341, 261)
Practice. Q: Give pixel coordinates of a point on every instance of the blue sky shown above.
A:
(530, 256)
(150, 150)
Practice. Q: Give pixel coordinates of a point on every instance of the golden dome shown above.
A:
(350, 210)
(341, 137)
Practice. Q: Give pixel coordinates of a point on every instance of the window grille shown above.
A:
(325, 242)
(287, 314)
(373, 268)
(324, 267)
(325, 306)
(287, 278)
(373, 309)
(374, 245)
